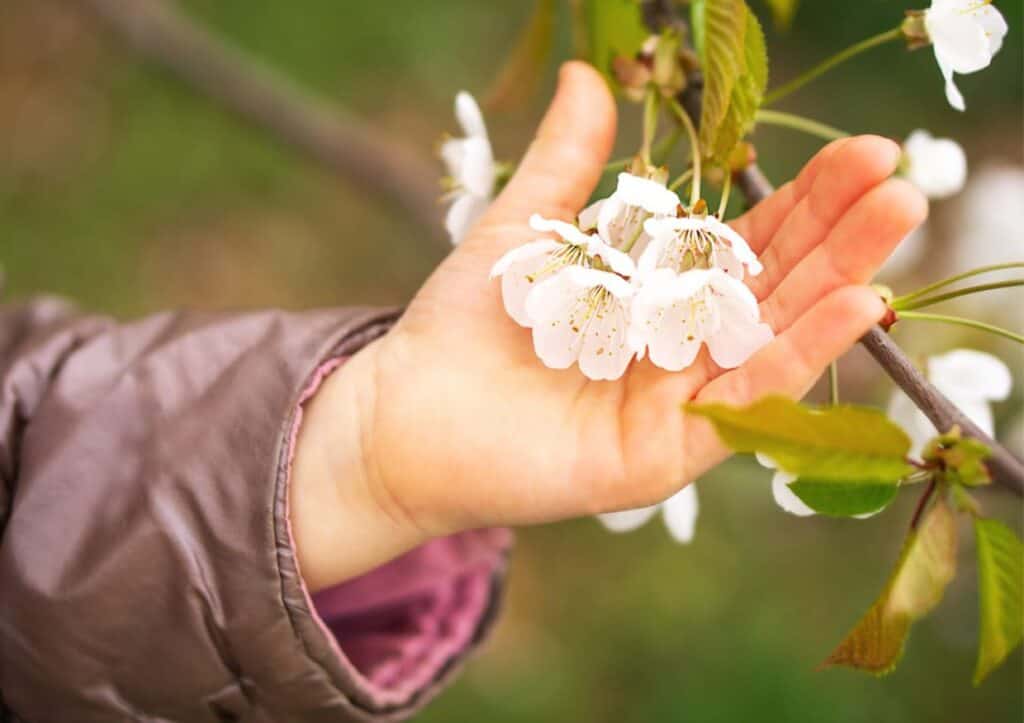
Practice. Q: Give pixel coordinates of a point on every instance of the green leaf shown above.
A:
(723, 60)
(835, 444)
(611, 28)
(1001, 590)
(782, 12)
(843, 499)
(522, 70)
(747, 94)
(926, 566)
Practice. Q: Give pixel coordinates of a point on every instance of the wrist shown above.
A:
(342, 525)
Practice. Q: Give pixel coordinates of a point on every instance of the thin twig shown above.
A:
(1007, 470)
(254, 91)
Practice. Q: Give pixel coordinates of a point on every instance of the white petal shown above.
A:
(680, 512)
(566, 230)
(469, 116)
(649, 195)
(953, 94)
(605, 353)
(994, 25)
(464, 212)
(978, 411)
(563, 312)
(765, 461)
(739, 337)
(453, 151)
(619, 262)
(937, 166)
(627, 520)
(519, 270)
(738, 245)
(786, 498)
(959, 39)
(905, 413)
(478, 172)
(966, 373)
(587, 219)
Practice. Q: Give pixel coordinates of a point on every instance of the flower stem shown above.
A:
(960, 321)
(659, 153)
(829, 63)
(922, 503)
(726, 190)
(691, 132)
(681, 179)
(920, 303)
(959, 277)
(833, 383)
(650, 125)
(799, 123)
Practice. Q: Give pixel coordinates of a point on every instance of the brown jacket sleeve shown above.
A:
(146, 568)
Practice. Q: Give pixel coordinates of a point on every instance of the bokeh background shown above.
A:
(130, 192)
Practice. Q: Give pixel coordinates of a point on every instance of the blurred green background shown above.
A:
(129, 192)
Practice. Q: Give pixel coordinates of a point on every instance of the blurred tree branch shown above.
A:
(1007, 470)
(257, 93)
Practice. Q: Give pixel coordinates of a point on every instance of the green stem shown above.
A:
(920, 303)
(833, 383)
(959, 277)
(659, 153)
(650, 125)
(829, 63)
(726, 189)
(681, 179)
(799, 123)
(691, 132)
(960, 321)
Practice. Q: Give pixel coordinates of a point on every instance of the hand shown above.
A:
(450, 422)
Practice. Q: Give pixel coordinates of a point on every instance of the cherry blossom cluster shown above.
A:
(637, 275)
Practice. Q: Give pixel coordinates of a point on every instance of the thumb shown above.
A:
(568, 154)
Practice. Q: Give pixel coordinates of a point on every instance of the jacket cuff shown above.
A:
(399, 631)
(391, 638)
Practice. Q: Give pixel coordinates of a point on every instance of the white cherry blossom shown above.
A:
(679, 512)
(674, 314)
(471, 167)
(522, 268)
(965, 34)
(972, 380)
(937, 166)
(619, 219)
(786, 498)
(581, 315)
(698, 242)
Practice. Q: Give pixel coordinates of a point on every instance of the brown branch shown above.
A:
(255, 92)
(1007, 470)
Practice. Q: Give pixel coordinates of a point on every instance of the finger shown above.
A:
(568, 155)
(789, 365)
(852, 170)
(853, 252)
(760, 223)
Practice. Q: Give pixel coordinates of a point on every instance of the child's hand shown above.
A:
(451, 422)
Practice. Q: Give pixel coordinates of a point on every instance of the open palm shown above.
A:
(467, 428)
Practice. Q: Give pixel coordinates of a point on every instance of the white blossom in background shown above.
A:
(471, 168)
(972, 380)
(674, 314)
(786, 498)
(619, 219)
(679, 512)
(965, 34)
(937, 166)
(908, 255)
(989, 228)
(783, 495)
(522, 268)
(582, 316)
(699, 242)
